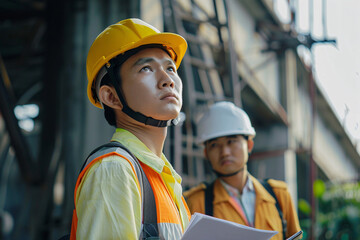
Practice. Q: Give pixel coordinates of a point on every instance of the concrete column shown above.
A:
(291, 96)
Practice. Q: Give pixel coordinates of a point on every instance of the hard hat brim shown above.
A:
(170, 40)
(201, 140)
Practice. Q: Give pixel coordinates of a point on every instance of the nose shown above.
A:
(165, 80)
(225, 150)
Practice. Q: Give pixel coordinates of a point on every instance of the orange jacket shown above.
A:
(266, 214)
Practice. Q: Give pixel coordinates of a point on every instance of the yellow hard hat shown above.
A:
(123, 36)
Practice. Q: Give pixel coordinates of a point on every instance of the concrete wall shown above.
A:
(249, 45)
(330, 156)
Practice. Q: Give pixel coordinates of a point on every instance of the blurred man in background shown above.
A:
(227, 135)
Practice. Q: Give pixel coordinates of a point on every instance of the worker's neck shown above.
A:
(152, 137)
(237, 181)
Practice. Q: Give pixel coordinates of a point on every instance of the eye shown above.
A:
(171, 69)
(232, 140)
(213, 145)
(146, 69)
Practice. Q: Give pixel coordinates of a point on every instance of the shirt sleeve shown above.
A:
(108, 201)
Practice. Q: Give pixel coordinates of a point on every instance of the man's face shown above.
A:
(228, 154)
(151, 85)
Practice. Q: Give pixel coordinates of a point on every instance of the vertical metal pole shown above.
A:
(324, 11)
(312, 162)
(232, 70)
(18, 142)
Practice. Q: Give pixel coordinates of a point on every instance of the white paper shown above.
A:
(203, 227)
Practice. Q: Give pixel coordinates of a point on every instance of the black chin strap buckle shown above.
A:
(160, 123)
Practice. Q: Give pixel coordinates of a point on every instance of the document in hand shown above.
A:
(210, 228)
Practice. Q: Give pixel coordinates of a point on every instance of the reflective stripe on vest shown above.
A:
(168, 217)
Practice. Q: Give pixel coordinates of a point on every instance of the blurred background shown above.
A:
(292, 65)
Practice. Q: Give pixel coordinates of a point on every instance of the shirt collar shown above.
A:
(140, 150)
(144, 154)
(234, 192)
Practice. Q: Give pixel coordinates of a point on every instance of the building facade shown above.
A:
(238, 51)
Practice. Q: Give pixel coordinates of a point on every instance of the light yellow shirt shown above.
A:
(108, 201)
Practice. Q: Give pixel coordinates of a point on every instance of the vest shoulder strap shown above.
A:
(150, 226)
(268, 188)
(209, 198)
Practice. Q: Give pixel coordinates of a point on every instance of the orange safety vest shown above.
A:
(168, 217)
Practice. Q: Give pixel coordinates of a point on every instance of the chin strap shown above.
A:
(147, 120)
(110, 68)
(218, 174)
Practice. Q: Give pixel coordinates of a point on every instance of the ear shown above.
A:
(250, 145)
(205, 153)
(109, 97)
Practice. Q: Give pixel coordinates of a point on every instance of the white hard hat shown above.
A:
(223, 119)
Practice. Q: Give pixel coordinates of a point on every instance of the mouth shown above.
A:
(225, 162)
(169, 96)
